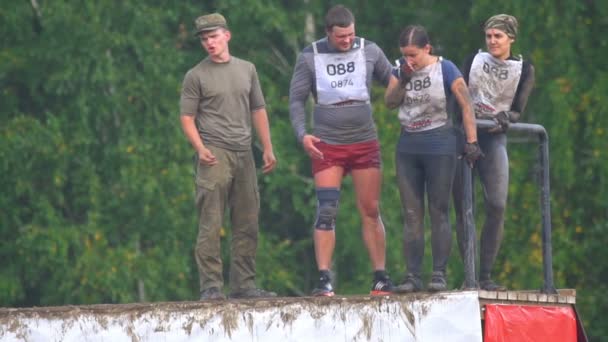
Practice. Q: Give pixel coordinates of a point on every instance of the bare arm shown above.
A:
(189, 127)
(461, 92)
(394, 94)
(262, 128)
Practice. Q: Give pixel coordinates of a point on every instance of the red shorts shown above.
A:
(363, 155)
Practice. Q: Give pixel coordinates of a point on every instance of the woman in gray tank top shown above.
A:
(427, 150)
(500, 84)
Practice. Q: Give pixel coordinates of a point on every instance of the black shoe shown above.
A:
(490, 285)
(382, 286)
(412, 283)
(324, 288)
(437, 282)
(252, 293)
(212, 293)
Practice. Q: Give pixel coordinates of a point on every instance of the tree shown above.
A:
(97, 201)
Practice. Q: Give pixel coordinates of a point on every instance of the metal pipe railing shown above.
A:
(470, 235)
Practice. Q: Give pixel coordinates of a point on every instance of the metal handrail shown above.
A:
(469, 223)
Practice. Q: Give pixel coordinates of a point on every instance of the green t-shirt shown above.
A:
(222, 96)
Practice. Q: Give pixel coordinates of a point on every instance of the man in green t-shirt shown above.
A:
(220, 100)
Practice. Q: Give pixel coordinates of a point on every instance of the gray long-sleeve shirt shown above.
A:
(345, 124)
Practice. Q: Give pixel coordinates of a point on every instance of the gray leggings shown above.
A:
(493, 172)
(415, 174)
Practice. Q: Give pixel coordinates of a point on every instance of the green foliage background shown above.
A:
(97, 189)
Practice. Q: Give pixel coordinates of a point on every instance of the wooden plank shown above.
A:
(527, 297)
(533, 297)
(488, 294)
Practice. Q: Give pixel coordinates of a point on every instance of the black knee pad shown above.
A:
(327, 208)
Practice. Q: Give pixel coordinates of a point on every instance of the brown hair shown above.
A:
(414, 35)
(338, 16)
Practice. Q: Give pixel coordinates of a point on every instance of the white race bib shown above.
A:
(341, 76)
(424, 105)
(493, 83)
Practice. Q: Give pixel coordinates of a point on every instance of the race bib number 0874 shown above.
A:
(342, 83)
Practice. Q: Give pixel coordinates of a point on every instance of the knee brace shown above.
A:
(327, 208)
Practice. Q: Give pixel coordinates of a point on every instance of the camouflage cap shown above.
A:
(209, 22)
(503, 22)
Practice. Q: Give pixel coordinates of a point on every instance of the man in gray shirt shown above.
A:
(338, 71)
(221, 98)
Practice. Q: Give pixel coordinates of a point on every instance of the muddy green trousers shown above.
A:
(232, 182)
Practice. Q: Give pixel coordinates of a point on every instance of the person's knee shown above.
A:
(414, 215)
(413, 229)
(369, 209)
(245, 244)
(327, 208)
(412, 234)
(439, 209)
(208, 242)
(495, 206)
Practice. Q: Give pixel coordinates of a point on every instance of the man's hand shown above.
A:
(308, 142)
(502, 120)
(269, 161)
(206, 157)
(472, 153)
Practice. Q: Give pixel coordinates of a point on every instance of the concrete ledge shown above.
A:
(446, 316)
(418, 317)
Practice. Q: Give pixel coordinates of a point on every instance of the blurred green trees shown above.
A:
(97, 187)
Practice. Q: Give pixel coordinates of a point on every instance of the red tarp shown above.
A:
(527, 323)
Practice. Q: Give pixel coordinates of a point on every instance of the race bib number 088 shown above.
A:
(418, 84)
(501, 74)
(340, 68)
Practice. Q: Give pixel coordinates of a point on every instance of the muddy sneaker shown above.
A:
(324, 288)
(252, 293)
(437, 282)
(212, 293)
(490, 285)
(412, 283)
(382, 285)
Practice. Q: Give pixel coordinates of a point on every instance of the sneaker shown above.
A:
(212, 293)
(490, 285)
(382, 286)
(324, 288)
(252, 293)
(437, 282)
(412, 283)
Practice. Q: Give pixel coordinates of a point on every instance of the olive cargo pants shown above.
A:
(233, 182)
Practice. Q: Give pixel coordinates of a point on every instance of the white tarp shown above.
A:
(447, 316)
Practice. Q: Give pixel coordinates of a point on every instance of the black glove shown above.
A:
(404, 71)
(503, 120)
(472, 152)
